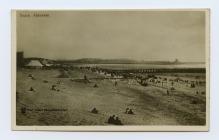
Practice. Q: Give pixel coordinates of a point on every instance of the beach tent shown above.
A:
(34, 64)
(48, 65)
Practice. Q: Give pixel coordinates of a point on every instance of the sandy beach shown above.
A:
(74, 98)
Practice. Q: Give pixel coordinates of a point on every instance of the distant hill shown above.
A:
(110, 61)
(104, 61)
(122, 61)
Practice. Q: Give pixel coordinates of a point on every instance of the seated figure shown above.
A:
(94, 110)
(130, 111)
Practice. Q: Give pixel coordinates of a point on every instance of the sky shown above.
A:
(139, 35)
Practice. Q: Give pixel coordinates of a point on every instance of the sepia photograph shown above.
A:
(110, 70)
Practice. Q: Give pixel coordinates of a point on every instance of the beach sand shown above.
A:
(75, 98)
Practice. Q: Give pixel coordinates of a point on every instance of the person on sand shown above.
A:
(172, 83)
(116, 83)
(31, 89)
(168, 93)
(111, 119)
(94, 110)
(31, 76)
(53, 87)
(85, 77)
(23, 110)
(86, 80)
(130, 111)
(95, 86)
(126, 111)
(118, 121)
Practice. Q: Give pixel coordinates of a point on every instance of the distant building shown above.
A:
(46, 62)
(20, 59)
(34, 64)
(176, 61)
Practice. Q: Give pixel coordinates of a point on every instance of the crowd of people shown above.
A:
(114, 120)
(129, 111)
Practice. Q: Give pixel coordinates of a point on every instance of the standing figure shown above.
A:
(85, 77)
(116, 83)
(168, 93)
(127, 110)
(118, 121)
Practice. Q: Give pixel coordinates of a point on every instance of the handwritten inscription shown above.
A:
(36, 14)
(46, 109)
